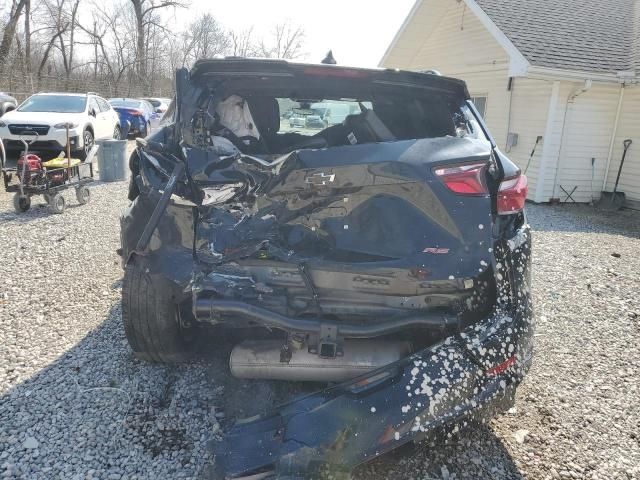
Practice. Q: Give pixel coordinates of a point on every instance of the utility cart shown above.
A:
(32, 176)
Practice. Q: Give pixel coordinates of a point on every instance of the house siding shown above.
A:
(529, 111)
(458, 44)
(628, 127)
(493, 85)
(448, 37)
(587, 132)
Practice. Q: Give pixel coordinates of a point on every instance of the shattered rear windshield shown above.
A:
(268, 119)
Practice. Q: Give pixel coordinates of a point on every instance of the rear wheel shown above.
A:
(151, 319)
(83, 195)
(57, 204)
(21, 203)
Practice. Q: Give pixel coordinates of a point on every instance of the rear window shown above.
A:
(279, 114)
(394, 117)
(54, 103)
(125, 103)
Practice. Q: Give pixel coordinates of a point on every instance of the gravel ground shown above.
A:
(74, 404)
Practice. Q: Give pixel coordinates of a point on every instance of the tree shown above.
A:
(242, 44)
(118, 47)
(144, 11)
(286, 41)
(110, 39)
(27, 38)
(9, 30)
(205, 38)
(67, 48)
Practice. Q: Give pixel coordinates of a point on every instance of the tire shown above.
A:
(144, 133)
(117, 133)
(87, 141)
(57, 204)
(83, 195)
(150, 318)
(21, 203)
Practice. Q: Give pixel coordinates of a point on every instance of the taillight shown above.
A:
(468, 179)
(512, 194)
(135, 113)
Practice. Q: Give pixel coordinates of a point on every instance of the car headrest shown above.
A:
(266, 113)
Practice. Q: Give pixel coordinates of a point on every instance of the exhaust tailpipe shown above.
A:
(260, 359)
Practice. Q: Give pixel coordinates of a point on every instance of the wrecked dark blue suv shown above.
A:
(386, 255)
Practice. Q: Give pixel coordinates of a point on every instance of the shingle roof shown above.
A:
(586, 35)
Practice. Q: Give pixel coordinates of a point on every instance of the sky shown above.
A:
(358, 31)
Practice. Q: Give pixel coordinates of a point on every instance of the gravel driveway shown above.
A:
(74, 404)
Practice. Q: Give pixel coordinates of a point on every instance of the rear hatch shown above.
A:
(369, 228)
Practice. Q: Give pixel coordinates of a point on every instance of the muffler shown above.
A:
(261, 359)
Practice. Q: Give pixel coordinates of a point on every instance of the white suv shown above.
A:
(47, 113)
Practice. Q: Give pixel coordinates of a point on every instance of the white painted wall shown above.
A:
(628, 127)
(587, 133)
(529, 110)
(458, 43)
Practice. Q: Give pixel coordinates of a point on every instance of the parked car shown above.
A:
(389, 253)
(46, 114)
(315, 121)
(139, 114)
(297, 120)
(7, 103)
(160, 105)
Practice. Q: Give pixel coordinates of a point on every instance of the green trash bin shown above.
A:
(112, 160)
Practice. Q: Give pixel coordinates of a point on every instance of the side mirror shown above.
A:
(92, 112)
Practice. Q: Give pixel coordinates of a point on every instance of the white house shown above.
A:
(563, 70)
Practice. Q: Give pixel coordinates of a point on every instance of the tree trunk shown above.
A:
(95, 50)
(9, 31)
(140, 43)
(27, 38)
(69, 66)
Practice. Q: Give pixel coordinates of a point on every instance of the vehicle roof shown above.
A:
(126, 99)
(247, 67)
(65, 94)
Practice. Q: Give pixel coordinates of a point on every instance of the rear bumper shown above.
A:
(137, 124)
(466, 377)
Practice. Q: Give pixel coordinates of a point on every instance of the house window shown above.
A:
(481, 104)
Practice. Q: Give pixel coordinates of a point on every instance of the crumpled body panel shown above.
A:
(464, 378)
(374, 216)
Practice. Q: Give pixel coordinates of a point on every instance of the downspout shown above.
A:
(570, 100)
(613, 136)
